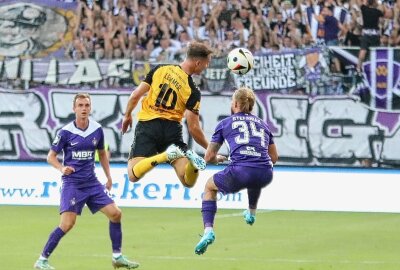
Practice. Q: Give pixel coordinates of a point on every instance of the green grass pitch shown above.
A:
(165, 238)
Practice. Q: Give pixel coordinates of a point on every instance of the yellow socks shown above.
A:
(145, 165)
(191, 174)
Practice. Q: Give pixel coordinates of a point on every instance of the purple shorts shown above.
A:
(235, 178)
(73, 199)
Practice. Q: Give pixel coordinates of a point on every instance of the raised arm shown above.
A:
(131, 105)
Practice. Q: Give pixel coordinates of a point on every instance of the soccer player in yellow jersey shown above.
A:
(170, 94)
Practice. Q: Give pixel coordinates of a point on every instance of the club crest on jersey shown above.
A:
(94, 141)
(56, 140)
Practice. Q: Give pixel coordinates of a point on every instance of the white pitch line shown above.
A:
(240, 214)
(237, 259)
(277, 260)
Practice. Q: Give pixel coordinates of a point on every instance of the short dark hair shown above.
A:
(198, 49)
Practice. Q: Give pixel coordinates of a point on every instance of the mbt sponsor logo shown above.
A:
(82, 155)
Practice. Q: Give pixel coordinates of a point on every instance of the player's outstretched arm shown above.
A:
(133, 100)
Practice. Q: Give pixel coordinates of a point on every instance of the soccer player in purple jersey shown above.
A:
(252, 155)
(78, 141)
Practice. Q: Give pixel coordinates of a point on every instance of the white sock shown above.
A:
(42, 258)
(116, 255)
(208, 229)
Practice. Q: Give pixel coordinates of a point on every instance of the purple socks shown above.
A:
(53, 241)
(208, 210)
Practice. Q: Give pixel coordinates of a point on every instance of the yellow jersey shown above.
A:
(172, 91)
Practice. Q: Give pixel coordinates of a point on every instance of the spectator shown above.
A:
(154, 37)
(385, 41)
(244, 16)
(76, 50)
(225, 14)
(88, 41)
(184, 26)
(241, 33)
(116, 48)
(140, 54)
(297, 20)
(330, 27)
(278, 24)
(254, 45)
(353, 34)
(293, 32)
(370, 32)
(287, 44)
(229, 43)
(287, 10)
(99, 52)
(166, 51)
(198, 29)
(130, 28)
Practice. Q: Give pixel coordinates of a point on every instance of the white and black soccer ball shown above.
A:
(240, 61)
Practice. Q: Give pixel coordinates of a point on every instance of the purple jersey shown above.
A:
(248, 138)
(79, 148)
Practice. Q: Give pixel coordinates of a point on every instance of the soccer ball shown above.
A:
(240, 61)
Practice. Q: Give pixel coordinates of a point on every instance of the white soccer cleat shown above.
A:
(123, 262)
(43, 265)
(174, 152)
(197, 161)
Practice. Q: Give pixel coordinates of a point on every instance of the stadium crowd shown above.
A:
(160, 30)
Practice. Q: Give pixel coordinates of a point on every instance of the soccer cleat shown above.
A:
(174, 152)
(207, 239)
(43, 265)
(197, 161)
(123, 262)
(249, 217)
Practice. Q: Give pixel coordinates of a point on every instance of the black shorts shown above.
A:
(154, 136)
(367, 41)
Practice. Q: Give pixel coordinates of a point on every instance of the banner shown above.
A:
(277, 72)
(34, 32)
(273, 71)
(34, 28)
(308, 131)
(40, 184)
(378, 87)
(303, 71)
(372, 190)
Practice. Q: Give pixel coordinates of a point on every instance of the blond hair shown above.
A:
(197, 49)
(81, 95)
(246, 99)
